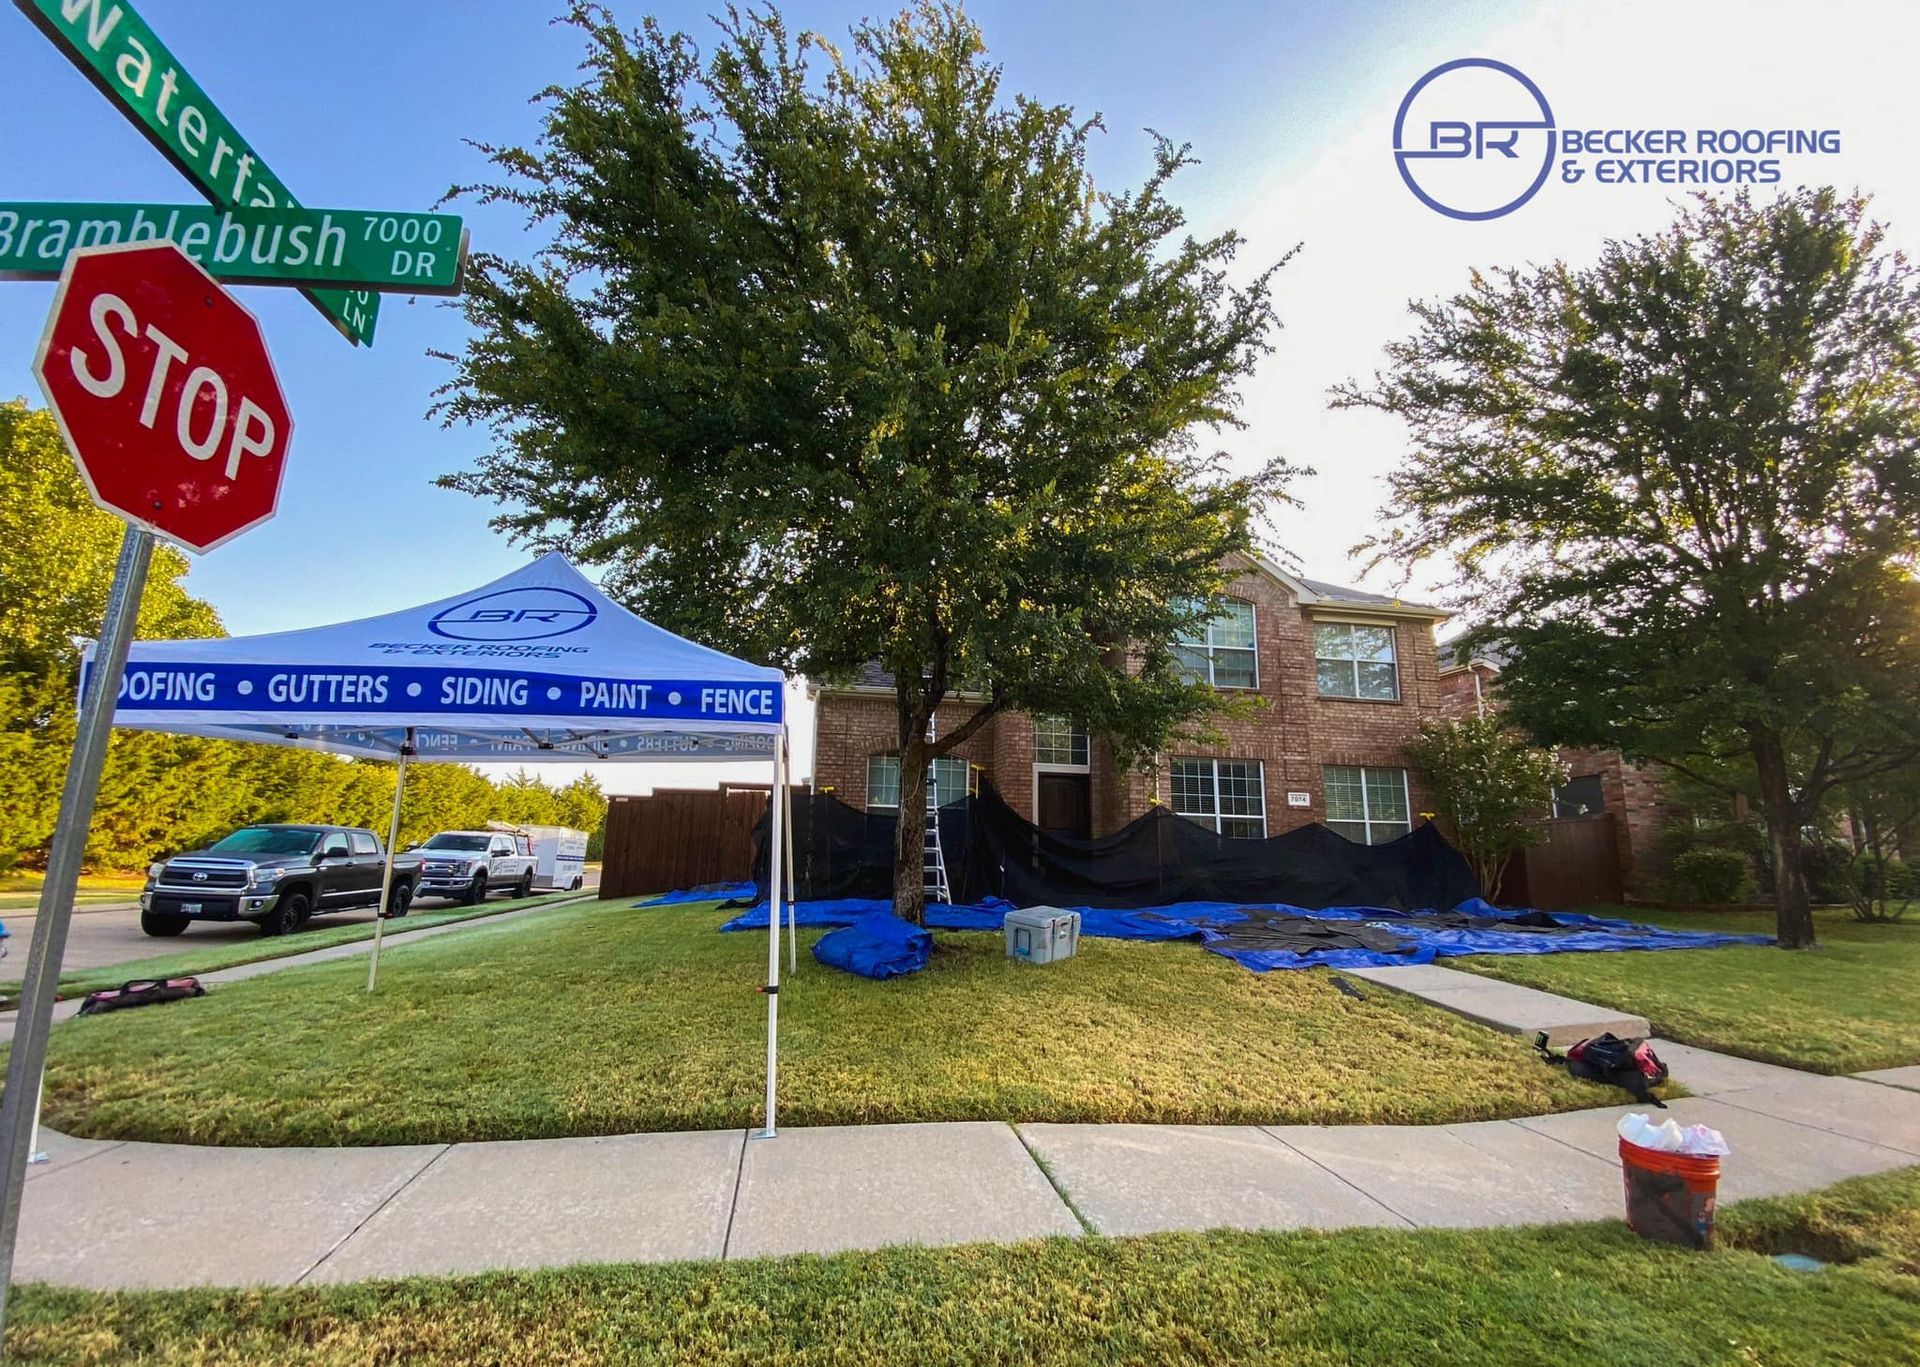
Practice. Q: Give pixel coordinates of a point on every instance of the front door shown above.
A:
(1066, 805)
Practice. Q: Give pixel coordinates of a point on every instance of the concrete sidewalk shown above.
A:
(115, 1215)
(1504, 1006)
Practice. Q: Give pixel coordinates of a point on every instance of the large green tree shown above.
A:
(1683, 482)
(838, 358)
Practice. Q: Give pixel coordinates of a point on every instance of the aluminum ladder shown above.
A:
(933, 857)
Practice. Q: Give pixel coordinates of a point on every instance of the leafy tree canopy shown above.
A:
(1683, 483)
(841, 357)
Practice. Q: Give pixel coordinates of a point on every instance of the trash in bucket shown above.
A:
(1671, 1177)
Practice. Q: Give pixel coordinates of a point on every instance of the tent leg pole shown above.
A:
(793, 888)
(386, 873)
(20, 1110)
(775, 855)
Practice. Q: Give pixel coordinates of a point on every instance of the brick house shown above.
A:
(1345, 676)
(1599, 780)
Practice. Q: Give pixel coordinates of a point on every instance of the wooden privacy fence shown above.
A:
(680, 838)
(1578, 863)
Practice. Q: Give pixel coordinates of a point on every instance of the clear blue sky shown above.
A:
(367, 103)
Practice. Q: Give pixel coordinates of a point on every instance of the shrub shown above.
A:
(1711, 875)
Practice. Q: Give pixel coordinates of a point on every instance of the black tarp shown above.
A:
(1154, 861)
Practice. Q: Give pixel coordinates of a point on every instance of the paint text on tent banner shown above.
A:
(397, 253)
(126, 61)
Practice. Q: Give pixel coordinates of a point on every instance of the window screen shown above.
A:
(1368, 806)
(947, 777)
(1228, 795)
(1058, 741)
(1221, 651)
(1355, 661)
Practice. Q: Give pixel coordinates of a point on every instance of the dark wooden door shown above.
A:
(1066, 804)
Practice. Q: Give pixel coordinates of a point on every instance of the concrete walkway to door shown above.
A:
(116, 1215)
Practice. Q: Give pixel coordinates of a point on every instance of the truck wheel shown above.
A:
(400, 899)
(524, 888)
(161, 923)
(476, 890)
(289, 914)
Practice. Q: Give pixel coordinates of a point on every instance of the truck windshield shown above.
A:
(457, 842)
(266, 840)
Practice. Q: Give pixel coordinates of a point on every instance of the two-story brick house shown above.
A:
(1344, 678)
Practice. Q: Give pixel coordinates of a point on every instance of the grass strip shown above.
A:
(1578, 1294)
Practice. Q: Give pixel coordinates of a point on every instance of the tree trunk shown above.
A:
(910, 831)
(1793, 908)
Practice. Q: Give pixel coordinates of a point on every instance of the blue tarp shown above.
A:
(880, 945)
(709, 892)
(1205, 922)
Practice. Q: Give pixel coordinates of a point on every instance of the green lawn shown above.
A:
(229, 953)
(1583, 1294)
(603, 1019)
(1850, 1005)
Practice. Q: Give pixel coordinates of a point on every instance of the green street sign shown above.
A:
(392, 253)
(116, 50)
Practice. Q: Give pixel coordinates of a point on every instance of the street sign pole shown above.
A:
(20, 1109)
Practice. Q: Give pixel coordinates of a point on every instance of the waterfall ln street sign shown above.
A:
(397, 253)
(162, 386)
(126, 61)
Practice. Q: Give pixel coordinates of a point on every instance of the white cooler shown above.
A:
(1041, 935)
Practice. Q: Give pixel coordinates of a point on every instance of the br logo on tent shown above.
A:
(528, 614)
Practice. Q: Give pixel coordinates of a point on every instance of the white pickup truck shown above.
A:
(468, 865)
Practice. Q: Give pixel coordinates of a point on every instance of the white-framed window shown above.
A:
(1221, 651)
(1227, 795)
(947, 777)
(1368, 806)
(1352, 660)
(1058, 741)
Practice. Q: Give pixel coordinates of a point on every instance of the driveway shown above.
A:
(101, 936)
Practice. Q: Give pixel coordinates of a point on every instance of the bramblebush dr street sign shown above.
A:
(162, 386)
(401, 253)
(126, 61)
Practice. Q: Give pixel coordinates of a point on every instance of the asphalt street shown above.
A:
(101, 936)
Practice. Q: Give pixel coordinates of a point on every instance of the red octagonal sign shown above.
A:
(161, 383)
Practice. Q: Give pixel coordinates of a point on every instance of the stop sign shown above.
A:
(161, 383)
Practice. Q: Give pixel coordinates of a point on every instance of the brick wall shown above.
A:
(1636, 794)
(850, 727)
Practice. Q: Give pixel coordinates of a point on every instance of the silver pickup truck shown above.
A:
(468, 865)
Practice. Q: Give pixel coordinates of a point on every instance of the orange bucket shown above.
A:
(1670, 1196)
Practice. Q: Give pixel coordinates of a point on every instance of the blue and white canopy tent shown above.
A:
(538, 665)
